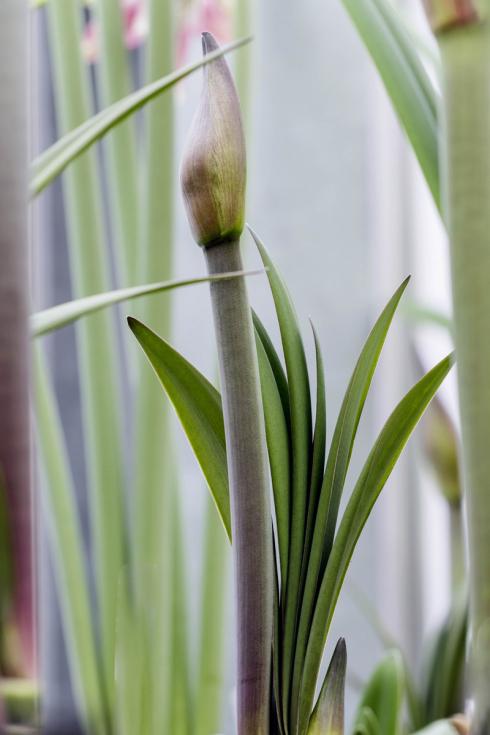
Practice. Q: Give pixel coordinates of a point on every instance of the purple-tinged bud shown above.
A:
(213, 172)
(446, 14)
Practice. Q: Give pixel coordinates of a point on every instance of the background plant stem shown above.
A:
(249, 489)
(466, 174)
(14, 371)
(121, 143)
(96, 335)
(154, 479)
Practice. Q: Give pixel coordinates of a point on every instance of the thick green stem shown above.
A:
(466, 175)
(249, 489)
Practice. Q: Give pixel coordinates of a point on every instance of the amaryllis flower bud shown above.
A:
(445, 14)
(213, 172)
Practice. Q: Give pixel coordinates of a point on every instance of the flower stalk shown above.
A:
(213, 182)
(465, 155)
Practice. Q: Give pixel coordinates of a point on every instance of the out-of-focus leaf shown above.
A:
(198, 406)
(384, 694)
(443, 687)
(56, 158)
(328, 716)
(366, 723)
(442, 727)
(372, 479)
(61, 315)
(405, 79)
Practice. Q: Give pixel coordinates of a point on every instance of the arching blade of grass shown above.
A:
(405, 79)
(56, 317)
(59, 507)
(372, 479)
(56, 158)
(336, 471)
(301, 438)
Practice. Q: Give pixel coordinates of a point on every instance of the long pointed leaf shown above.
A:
(198, 406)
(300, 408)
(372, 479)
(405, 80)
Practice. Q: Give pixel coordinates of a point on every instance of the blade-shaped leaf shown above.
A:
(278, 449)
(276, 365)
(336, 471)
(54, 160)
(300, 411)
(61, 315)
(372, 479)
(366, 723)
(328, 716)
(405, 79)
(384, 693)
(198, 406)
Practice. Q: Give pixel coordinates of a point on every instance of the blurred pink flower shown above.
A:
(135, 29)
(206, 15)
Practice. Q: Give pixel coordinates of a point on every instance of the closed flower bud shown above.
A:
(446, 14)
(213, 173)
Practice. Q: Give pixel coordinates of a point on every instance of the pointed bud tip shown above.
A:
(209, 43)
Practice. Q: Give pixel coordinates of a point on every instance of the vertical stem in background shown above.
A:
(121, 143)
(67, 554)
(214, 581)
(249, 487)
(243, 26)
(14, 371)
(96, 338)
(465, 51)
(153, 486)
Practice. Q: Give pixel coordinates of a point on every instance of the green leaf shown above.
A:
(276, 365)
(372, 479)
(384, 693)
(328, 716)
(405, 79)
(56, 158)
(367, 723)
(198, 406)
(277, 435)
(300, 411)
(336, 471)
(61, 315)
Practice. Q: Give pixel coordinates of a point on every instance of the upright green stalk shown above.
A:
(213, 182)
(154, 480)
(95, 335)
(122, 169)
(464, 40)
